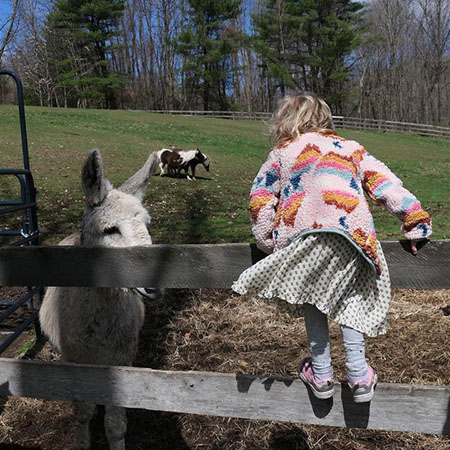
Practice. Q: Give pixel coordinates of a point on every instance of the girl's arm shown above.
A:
(264, 197)
(385, 188)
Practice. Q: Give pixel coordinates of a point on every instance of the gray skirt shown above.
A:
(326, 270)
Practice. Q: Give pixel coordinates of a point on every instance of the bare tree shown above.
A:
(403, 64)
(384, 60)
(433, 19)
(8, 27)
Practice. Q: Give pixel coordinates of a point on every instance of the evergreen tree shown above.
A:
(306, 44)
(206, 43)
(89, 25)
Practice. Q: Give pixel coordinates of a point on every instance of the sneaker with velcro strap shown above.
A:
(363, 390)
(321, 389)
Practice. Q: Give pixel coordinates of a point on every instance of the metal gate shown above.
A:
(27, 234)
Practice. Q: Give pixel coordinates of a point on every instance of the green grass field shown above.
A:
(215, 207)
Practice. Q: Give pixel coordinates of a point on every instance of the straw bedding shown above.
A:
(220, 331)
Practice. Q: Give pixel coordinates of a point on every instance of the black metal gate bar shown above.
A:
(17, 304)
(29, 232)
(33, 319)
(23, 127)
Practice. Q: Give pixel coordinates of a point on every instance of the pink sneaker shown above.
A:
(321, 389)
(364, 388)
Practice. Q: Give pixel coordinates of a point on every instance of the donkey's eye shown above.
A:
(111, 230)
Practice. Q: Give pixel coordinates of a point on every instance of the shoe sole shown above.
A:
(369, 396)
(318, 394)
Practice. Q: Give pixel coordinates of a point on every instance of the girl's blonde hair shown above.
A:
(298, 114)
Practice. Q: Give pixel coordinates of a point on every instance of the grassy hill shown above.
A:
(211, 209)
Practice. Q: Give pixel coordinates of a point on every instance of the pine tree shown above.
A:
(306, 44)
(89, 25)
(206, 43)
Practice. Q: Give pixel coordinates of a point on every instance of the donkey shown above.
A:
(101, 325)
(191, 159)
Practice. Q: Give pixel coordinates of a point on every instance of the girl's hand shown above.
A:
(414, 247)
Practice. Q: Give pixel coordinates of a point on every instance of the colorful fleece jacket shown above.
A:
(317, 183)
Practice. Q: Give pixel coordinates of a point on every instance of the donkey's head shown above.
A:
(114, 217)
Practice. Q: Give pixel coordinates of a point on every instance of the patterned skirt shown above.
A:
(328, 271)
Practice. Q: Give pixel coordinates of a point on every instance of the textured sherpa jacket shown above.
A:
(317, 183)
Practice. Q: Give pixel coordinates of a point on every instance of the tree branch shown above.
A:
(9, 33)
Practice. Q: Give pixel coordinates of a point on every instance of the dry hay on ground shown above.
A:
(218, 331)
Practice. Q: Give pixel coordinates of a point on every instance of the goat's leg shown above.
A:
(115, 427)
(161, 169)
(83, 415)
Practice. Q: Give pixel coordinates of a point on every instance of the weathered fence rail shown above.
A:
(354, 123)
(396, 407)
(190, 266)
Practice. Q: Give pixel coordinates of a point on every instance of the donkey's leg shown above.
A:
(115, 427)
(83, 415)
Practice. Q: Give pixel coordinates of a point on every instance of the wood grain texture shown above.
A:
(190, 266)
(395, 407)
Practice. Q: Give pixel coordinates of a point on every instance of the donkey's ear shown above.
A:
(95, 186)
(137, 184)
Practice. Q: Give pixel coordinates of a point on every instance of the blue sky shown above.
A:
(3, 14)
(5, 9)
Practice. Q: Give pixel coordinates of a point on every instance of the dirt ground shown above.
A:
(218, 331)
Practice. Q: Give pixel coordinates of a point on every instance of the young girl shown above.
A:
(309, 212)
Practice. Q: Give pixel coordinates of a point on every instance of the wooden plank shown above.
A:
(395, 407)
(190, 266)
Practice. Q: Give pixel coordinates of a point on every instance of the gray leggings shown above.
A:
(318, 339)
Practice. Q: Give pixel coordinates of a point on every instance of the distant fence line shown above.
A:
(353, 123)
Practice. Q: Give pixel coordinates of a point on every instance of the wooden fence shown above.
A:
(353, 123)
(396, 407)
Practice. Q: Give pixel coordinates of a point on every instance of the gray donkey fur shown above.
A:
(101, 325)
